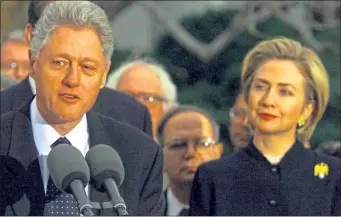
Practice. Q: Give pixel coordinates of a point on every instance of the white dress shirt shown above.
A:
(32, 84)
(45, 135)
(174, 206)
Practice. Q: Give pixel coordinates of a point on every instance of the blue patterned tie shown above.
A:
(58, 203)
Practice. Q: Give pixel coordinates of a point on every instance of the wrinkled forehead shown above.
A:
(140, 78)
(75, 42)
(189, 123)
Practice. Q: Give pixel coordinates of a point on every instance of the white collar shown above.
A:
(32, 84)
(174, 206)
(45, 135)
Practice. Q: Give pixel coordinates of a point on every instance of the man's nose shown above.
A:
(190, 152)
(21, 74)
(73, 77)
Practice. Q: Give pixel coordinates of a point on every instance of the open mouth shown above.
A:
(69, 97)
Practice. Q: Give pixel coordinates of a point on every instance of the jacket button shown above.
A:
(272, 203)
(274, 169)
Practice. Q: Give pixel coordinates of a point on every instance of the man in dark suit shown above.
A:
(110, 103)
(189, 137)
(69, 61)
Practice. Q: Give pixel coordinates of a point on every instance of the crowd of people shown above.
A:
(56, 86)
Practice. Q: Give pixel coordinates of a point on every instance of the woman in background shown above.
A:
(286, 88)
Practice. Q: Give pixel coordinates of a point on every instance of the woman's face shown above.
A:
(277, 98)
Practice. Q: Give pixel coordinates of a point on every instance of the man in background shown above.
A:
(149, 83)
(6, 81)
(239, 130)
(332, 148)
(189, 137)
(14, 55)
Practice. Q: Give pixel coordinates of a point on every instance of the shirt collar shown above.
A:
(174, 205)
(45, 135)
(292, 155)
(32, 84)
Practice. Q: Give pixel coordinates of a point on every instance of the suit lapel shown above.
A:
(22, 94)
(23, 149)
(166, 199)
(98, 135)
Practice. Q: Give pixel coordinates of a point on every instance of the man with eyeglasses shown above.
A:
(189, 137)
(14, 55)
(149, 83)
(240, 132)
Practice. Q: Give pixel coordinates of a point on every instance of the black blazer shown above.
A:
(21, 186)
(166, 202)
(245, 183)
(110, 103)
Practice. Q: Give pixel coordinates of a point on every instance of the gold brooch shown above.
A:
(321, 170)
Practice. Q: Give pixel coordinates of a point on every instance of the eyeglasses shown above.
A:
(238, 114)
(15, 65)
(181, 144)
(148, 98)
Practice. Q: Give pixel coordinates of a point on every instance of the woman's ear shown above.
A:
(308, 110)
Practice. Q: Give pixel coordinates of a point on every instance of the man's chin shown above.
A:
(66, 118)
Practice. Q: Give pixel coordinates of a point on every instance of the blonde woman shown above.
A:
(286, 88)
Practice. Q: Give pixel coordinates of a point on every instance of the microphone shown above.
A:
(70, 173)
(107, 173)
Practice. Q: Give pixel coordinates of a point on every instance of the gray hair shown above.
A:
(6, 81)
(332, 148)
(168, 87)
(76, 13)
(181, 109)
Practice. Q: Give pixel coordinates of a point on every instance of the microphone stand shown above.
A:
(86, 206)
(120, 208)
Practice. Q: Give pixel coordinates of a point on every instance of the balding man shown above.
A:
(189, 137)
(149, 83)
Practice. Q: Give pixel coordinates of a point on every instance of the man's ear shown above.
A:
(28, 33)
(105, 74)
(31, 70)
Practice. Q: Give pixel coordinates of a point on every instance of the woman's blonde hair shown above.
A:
(314, 72)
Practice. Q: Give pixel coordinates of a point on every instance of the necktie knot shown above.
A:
(61, 140)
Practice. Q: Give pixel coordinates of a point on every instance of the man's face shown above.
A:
(145, 85)
(69, 73)
(240, 133)
(14, 59)
(188, 142)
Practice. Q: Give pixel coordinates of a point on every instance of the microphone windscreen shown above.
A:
(66, 164)
(104, 162)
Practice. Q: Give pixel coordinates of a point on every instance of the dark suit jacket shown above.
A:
(21, 186)
(110, 103)
(245, 183)
(166, 202)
